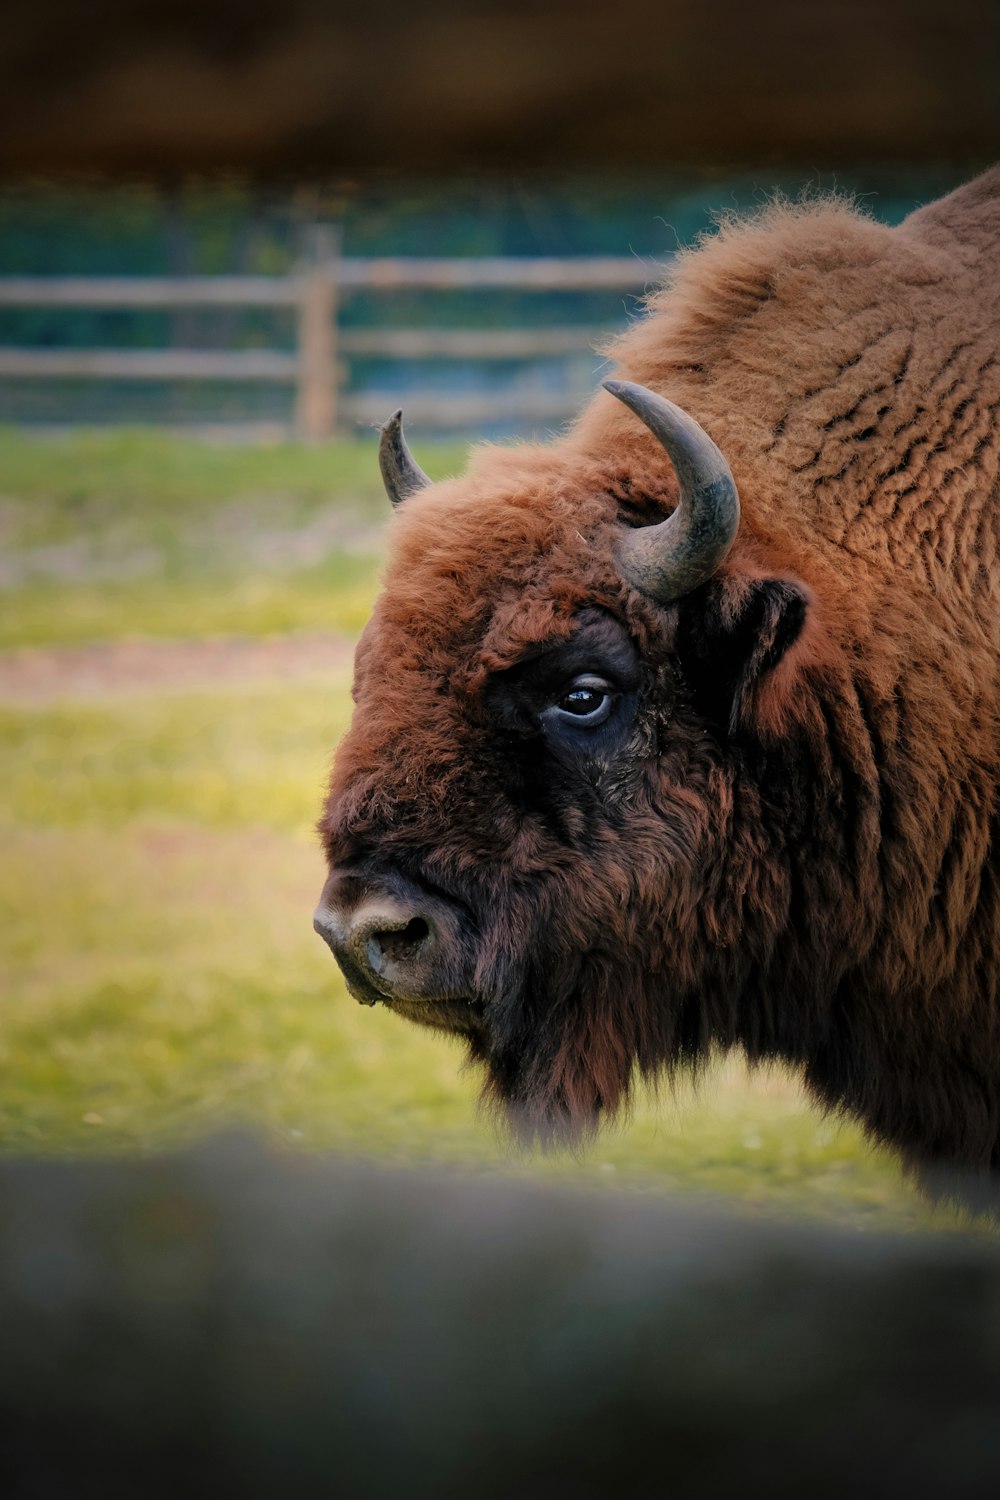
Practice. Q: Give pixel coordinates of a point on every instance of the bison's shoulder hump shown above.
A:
(969, 217)
(714, 292)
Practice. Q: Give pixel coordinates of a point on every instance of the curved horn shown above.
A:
(670, 559)
(401, 474)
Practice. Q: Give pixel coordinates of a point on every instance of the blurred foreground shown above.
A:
(176, 631)
(228, 1323)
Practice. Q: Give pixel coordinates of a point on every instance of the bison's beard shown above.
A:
(562, 1038)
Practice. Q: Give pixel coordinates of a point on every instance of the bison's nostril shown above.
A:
(412, 934)
(397, 944)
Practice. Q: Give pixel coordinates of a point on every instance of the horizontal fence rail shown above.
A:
(461, 411)
(150, 364)
(471, 343)
(273, 364)
(315, 295)
(572, 273)
(151, 291)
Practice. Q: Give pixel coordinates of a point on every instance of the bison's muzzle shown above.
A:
(396, 942)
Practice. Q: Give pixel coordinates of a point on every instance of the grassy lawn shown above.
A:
(159, 868)
(105, 535)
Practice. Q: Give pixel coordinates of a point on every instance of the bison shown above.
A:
(680, 732)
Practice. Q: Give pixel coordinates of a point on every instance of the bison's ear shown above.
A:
(731, 633)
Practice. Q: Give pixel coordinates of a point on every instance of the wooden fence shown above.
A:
(316, 367)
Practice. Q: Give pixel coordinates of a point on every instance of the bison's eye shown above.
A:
(588, 701)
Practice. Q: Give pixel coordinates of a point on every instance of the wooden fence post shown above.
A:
(316, 392)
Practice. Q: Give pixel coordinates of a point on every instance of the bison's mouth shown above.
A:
(464, 1016)
(360, 985)
(459, 1013)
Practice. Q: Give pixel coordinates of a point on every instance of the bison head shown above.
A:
(541, 829)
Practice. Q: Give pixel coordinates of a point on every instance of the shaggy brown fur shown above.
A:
(791, 848)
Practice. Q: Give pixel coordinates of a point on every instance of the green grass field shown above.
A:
(160, 871)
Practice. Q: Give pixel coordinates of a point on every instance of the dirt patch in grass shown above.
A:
(36, 675)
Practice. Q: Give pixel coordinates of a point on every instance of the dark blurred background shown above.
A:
(293, 89)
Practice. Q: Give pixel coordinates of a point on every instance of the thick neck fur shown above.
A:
(821, 923)
(884, 980)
